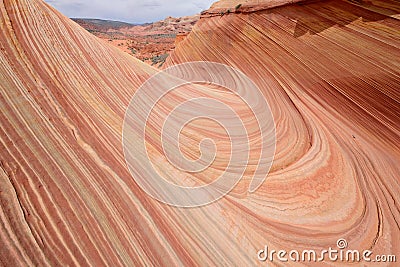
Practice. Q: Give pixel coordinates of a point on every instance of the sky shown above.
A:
(133, 11)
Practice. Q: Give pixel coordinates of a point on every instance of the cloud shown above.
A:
(135, 11)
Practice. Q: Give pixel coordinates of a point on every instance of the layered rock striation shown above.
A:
(330, 73)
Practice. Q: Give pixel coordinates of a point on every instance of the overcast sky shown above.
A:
(135, 11)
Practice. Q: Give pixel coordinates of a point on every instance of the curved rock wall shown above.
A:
(329, 71)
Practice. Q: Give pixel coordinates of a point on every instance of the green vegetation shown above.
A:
(160, 59)
(227, 12)
(238, 6)
(163, 35)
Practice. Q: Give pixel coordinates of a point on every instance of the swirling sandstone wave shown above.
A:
(329, 71)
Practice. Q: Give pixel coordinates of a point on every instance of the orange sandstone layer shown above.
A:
(245, 6)
(180, 37)
(330, 72)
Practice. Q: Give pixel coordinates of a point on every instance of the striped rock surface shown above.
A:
(330, 73)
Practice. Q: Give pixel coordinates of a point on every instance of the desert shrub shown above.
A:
(159, 59)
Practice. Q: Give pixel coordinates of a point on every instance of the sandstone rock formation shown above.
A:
(330, 73)
(242, 6)
(180, 37)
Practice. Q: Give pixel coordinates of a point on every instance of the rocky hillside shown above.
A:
(100, 25)
(150, 42)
